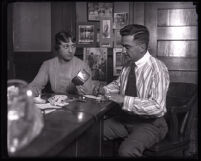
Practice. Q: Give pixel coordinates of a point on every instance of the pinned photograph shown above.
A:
(120, 20)
(96, 58)
(86, 34)
(96, 10)
(106, 29)
(106, 38)
(119, 60)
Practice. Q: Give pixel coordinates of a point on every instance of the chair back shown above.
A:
(181, 102)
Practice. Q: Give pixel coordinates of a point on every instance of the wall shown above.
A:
(66, 15)
(24, 64)
(81, 15)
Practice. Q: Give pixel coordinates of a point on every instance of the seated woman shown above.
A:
(61, 69)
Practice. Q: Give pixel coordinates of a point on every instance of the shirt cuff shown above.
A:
(126, 103)
(106, 90)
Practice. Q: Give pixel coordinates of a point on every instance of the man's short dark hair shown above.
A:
(63, 36)
(140, 32)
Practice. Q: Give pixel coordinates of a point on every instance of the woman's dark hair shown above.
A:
(63, 37)
(140, 32)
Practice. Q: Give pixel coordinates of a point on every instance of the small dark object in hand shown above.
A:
(81, 77)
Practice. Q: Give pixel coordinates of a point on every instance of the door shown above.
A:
(174, 37)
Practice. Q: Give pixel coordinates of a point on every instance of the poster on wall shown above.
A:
(96, 10)
(96, 58)
(119, 60)
(106, 36)
(86, 34)
(120, 20)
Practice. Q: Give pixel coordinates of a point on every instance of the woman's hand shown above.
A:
(81, 90)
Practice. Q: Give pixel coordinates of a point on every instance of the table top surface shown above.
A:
(64, 125)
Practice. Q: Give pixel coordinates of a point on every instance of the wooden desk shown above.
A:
(75, 131)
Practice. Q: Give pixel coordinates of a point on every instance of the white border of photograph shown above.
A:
(117, 64)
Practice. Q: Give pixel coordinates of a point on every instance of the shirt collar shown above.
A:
(143, 60)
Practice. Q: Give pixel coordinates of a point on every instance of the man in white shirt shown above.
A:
(140, 91)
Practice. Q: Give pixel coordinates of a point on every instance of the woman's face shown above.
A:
(67, 50)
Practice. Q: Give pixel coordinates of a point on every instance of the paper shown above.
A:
(47, 106)
(93, 97)
(48, 111)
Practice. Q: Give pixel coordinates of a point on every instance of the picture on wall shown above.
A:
(86, 34)
(117, 38)
(120, 20)
(96, 58)
(96, 10)
(106, 36)
(119, 60)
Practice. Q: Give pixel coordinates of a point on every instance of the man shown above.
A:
(60, 71)
(140, 90)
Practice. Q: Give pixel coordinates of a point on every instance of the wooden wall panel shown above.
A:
(183, 76)
(166, 17)
(178, 64)
(139, 13)
(131, 12)
(63, 16)
(177, 49)
(10, 67)
(121, 7)
(173, 37)
(150, 18)
(31, 27)
(177, 33)
(81, 12)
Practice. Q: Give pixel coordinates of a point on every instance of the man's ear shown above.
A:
(142, 48)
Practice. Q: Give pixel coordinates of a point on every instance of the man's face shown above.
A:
(67, 50)
(130, 47)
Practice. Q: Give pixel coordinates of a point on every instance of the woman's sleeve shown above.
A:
(40, 80)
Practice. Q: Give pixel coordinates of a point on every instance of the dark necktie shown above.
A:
(131, 84)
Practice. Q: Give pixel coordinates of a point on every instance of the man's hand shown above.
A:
(98, 90)
(115, 97)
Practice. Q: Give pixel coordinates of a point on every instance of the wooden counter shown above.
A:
(73, 131)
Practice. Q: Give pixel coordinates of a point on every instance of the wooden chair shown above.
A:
(181, 105)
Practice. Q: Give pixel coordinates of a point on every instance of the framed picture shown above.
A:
(106, 34)
(96, 10)
(117, 38)
(86, 34)
(96, 58)
(120, 20)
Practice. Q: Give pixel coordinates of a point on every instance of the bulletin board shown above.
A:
(31, 26)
